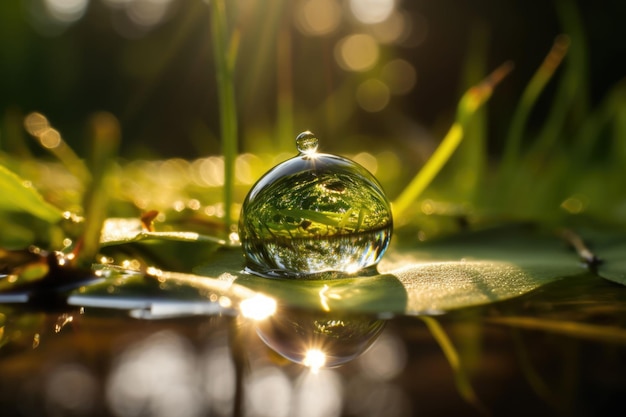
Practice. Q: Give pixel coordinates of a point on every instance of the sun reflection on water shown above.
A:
(314, 359)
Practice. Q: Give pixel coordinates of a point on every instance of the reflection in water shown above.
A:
(156, 376)
(318, 339)
(385, 360)
(70, 388)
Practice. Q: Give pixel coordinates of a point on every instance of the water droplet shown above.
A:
(306, 142)
(318, 339)
(321, 217)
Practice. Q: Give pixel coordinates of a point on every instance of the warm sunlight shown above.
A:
(258, 307)
(315, 359)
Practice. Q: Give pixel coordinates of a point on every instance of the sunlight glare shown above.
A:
(315, 359)
(258, 307)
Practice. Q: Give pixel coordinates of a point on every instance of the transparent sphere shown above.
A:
(314, 216)
(295, 334)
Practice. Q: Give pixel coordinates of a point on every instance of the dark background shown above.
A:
(161, 85)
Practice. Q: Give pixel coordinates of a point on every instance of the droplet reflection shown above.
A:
(306, 143)
(317, 339)
(314, 216)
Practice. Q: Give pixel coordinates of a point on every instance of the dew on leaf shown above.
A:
(307, 142)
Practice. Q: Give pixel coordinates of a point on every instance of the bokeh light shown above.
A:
(358, 52)
(134, 18)
(156, 376)
(66, 11)
(318, 17)
(147, 13)
(269, 393)
(311, 387)
(50, 139)
(372, 11)
(385, 359)
(395, 29)
(399, 75)
(71, 389)
(219, 380)
(367, 160)
(372, 95)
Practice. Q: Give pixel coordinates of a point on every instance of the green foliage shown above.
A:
(19, 195)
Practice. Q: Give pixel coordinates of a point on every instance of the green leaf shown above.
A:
(465, 270)
(19, 195)
(462, 271)
(117, 231)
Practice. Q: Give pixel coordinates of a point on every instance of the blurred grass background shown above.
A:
(377, 80)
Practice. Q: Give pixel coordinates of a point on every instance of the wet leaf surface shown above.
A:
(431, 278)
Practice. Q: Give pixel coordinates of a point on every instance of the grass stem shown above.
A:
(105, 133)
(224, 48)
(471, 101)
(461, 378)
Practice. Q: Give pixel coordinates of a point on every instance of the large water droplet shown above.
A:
(306, 142)
(320, 217)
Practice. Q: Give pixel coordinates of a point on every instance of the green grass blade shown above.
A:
(528, 100)
(105, 141)
(471, 101)
(224, 48)
(471, 157)
(571, 95)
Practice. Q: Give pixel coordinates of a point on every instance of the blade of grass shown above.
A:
(619, 124)
(105, 140)
(471, 101)
(225, 50)
(284, 82)
(470, 159)
(606, 334)
(571, 95)
(533, 377)
(528, 100)
(461, 378)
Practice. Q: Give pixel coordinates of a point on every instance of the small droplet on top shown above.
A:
(306, 142)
